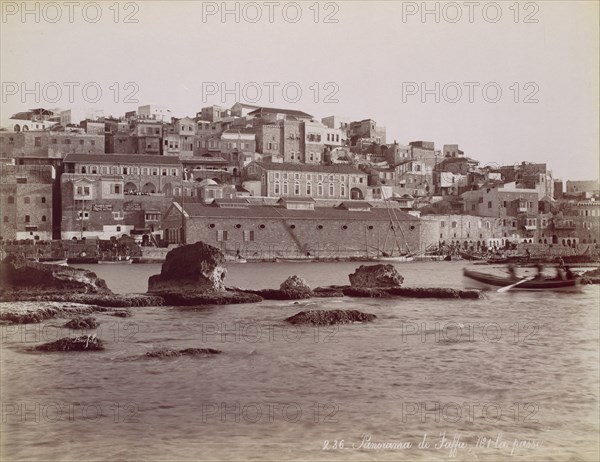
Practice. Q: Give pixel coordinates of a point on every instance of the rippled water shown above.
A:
(515, 366)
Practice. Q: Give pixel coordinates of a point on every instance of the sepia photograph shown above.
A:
(306, 230)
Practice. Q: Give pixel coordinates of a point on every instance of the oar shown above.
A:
(507, 288)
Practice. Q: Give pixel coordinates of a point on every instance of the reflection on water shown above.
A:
(519, 368)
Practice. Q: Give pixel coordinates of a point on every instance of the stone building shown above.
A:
(308, 180)
(49, 144)
(293, 228)
(26, 193)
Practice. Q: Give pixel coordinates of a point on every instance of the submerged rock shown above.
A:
(331, 291)
(365, 292)
(330, 317)
(169, 353)
(31, 312)
(82, 323)
(82, 343)
(191, 268)
(209, 298)
(434, 292)
(122, 313)
(376, 276)
(295, 288)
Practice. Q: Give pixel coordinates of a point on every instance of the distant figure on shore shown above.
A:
(528, 254)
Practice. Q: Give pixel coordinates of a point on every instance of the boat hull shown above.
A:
(396, 259)
(115, 262)
(483, 281)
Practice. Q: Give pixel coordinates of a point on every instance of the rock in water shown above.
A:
(82, 343)
(330, 317)
(82, 323)
(169, 353)
(295, 288)
(191, 268)
(21, 277)
(376, 276)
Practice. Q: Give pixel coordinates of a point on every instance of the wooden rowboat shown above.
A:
(484, 281)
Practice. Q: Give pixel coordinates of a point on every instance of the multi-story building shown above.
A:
(112, 194)
(366, 129)
(154, 112)
(34, 119)
(212, 113)
(49, 144)
(575, 188)
(26, 193)
(149, 136)
(308, 180)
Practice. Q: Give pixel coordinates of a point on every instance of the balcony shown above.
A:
(565, 225)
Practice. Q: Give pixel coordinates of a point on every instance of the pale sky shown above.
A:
(370, 55)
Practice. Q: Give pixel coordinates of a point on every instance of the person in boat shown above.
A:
(569, 274)
(560, 274)
(512, 271)
(540, 272)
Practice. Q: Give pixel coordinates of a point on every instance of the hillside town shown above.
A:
(258, 181)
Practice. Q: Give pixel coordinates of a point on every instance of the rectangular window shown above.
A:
(26, 218)
(38, 141)
(489, 204)
(221, 236)
(248, 236)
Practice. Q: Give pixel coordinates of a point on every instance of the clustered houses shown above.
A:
(134, 174)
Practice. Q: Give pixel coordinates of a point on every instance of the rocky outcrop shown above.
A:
(122, 313)
(209, 298)
(169, 353)
(82, 323)
(330, 317)
(82, 343)
(191, 268)
(376, 276)
(23, 279)
(194, 275)
(328, 292)
(32, 312)
(104, 299)
(434, 292)
(295, 288)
